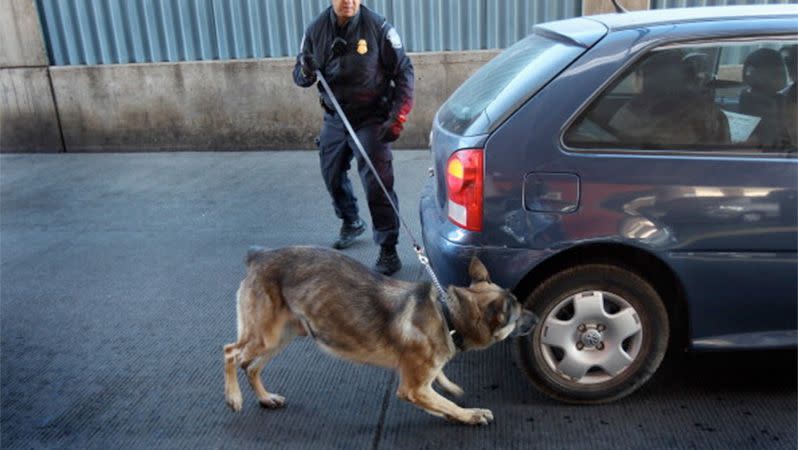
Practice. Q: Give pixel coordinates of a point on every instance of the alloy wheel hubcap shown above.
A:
(590, 337)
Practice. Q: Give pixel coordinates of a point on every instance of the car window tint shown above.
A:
(517, 71)
(736, 96)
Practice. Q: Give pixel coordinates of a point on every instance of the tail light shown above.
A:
(464, 180)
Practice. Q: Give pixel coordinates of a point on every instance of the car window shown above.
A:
(519, 71)
(733, 96)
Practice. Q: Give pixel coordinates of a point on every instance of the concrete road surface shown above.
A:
(117, 281)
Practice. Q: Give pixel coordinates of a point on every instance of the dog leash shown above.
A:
(422, 257)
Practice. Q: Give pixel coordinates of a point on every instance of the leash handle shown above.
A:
(419, 250)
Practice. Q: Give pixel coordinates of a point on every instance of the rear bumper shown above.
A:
(449, 260)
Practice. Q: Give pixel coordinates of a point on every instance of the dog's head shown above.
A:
(488, 313)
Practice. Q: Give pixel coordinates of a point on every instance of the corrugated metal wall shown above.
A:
(137, 31)
(140, 31)
(658, 4)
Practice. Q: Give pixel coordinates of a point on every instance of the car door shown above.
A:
(699, 166)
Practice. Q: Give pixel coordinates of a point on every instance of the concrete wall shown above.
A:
(28, 117)
(22, 44)
(28, 121)
(227, 105)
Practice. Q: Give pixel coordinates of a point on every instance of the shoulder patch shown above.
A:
(393, 36)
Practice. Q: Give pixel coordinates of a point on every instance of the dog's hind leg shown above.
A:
(251, 355)
(265, 325)
(265, 398)
(232, 392)
(447, 385)
(260, 325)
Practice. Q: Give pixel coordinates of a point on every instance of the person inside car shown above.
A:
(764, 73)
(671, 107)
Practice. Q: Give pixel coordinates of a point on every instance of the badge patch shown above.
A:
(393, 36)
(362, 47)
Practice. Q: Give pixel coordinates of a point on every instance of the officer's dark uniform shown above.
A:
(372, 79)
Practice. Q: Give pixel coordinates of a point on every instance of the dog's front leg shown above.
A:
(447, 385)
(420, 393)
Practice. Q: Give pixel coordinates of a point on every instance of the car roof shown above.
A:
(635, 19)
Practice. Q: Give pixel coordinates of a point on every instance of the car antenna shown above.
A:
(619, 8)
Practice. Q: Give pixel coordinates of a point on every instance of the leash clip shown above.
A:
(421, 256)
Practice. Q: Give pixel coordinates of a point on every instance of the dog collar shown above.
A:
(457, 338)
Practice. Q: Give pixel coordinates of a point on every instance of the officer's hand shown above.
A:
(391, 129)
(309, 64)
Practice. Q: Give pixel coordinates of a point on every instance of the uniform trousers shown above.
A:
(336, 149)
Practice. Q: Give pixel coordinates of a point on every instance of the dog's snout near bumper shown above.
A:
(525, 323)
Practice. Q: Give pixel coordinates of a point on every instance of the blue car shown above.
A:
(632, 177)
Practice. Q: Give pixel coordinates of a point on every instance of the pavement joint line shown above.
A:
(383, 410)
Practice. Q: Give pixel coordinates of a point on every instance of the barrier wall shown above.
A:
(28, 117)
(230, 105)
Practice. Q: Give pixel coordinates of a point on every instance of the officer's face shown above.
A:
(346, 9)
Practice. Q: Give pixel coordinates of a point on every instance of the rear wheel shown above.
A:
(603, 332)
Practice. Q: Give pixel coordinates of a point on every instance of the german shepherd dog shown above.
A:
(359, 315)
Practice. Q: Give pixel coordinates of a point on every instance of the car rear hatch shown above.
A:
(495, 91)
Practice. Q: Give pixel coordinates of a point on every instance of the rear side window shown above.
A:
(513, 75)
(735, 97)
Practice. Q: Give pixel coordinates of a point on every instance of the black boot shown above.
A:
(388, 263)
(349, 231)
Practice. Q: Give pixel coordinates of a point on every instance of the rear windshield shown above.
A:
(501, 85)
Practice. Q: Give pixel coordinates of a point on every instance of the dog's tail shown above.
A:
(253, 253)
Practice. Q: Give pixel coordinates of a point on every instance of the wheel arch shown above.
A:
(636, 260)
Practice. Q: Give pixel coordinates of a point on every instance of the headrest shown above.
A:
(665, 72)
(763, 70)
(700, 66)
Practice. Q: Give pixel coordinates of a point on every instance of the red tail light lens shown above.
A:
(464, 180)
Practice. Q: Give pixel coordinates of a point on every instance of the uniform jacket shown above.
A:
(373, 77)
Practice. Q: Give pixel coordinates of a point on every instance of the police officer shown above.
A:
(361, 56)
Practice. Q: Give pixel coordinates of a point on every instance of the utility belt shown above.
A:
(381, 109)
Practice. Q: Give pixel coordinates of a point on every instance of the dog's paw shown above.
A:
(235, 402)
(479, 416)
(273, 401)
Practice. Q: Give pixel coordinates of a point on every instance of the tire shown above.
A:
(610, 302)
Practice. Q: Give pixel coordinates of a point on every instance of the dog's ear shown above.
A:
(477, 271)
